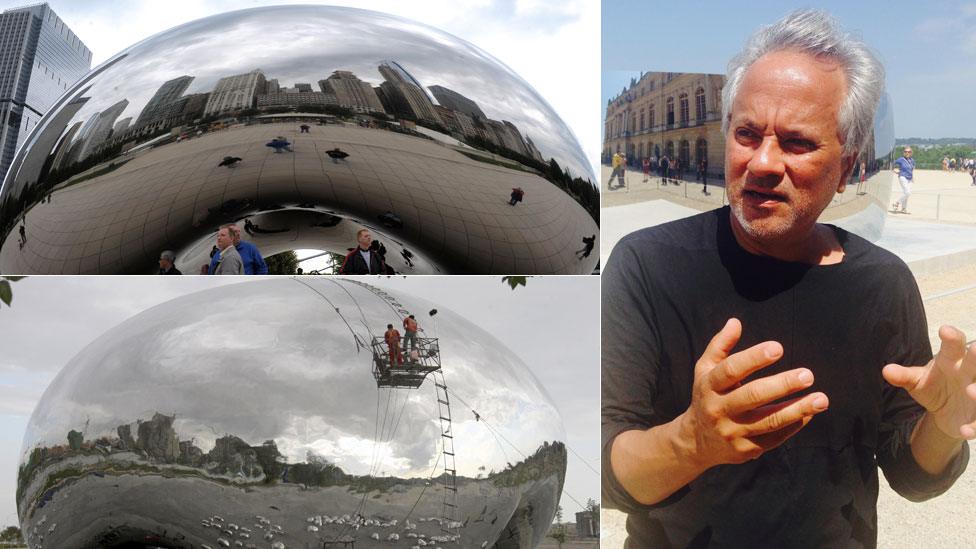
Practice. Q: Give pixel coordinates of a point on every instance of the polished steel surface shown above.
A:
(377, 120)
(252, 413)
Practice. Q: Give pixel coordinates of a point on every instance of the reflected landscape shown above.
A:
(287, 118)
(279, 418)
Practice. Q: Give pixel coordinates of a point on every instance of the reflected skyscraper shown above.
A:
(170, 91)
(351, 92)
(41, 59)
(455, 101)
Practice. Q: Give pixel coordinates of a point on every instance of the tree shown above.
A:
(285, 263)
(559, 533)
(11, 534)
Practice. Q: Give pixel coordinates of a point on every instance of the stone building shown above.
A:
(673, 113)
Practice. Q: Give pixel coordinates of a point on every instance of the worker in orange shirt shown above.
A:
(410, 336)
(392, 338)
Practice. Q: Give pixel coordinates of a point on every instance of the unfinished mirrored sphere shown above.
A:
(273, 414)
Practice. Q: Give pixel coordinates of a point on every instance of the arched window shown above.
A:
(683, 105)
(640, 151)
(651, 117)
(669, 149)
(669, 106)
(700, 104)
(701, 151)
(684, 153)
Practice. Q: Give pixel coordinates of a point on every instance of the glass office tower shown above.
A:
(40, 58)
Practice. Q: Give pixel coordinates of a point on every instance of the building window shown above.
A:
(669, 150)
(684, 154)
(669, 106)
(701, 151)
(683, 105)
(633, 122)
(642, 120)
(640, 151)
(650, 117)
(700, 104)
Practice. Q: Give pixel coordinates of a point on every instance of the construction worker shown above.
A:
(392, 338)
(410, 334)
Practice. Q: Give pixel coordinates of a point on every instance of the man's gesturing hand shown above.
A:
(945, 386)
(728, 422)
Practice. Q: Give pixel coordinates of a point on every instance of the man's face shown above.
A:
(364, 239)
(908, 153)
(224, 239)
(165, 264)
(783, 160)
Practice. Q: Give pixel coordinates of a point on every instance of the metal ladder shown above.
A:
(451, 523)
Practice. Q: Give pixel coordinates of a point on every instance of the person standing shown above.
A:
(167, 263)
(410, 329)
(618, 169)
(905, 168)
(392, 338)
(230, 261)
(362, 261)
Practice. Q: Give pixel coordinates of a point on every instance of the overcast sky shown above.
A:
(551, 324)
(928, 49)
(553, 44)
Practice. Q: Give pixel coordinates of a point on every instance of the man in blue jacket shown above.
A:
(250, 255)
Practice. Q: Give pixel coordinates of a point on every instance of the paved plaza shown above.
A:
(453, 209)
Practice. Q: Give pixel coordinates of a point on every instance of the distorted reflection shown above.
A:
(355, 113)
(278, 412)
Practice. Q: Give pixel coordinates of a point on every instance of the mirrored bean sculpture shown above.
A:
(301, 124)
(275, 413)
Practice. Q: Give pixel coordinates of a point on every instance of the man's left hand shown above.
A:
(945, 386)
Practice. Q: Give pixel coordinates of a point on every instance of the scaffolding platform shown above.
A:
(411, 373)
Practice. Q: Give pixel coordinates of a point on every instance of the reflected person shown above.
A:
(361, 260)
(229, 261)
(752, 358)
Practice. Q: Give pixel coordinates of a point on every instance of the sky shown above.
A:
(549, 43)
(551, 324)
(928, 49)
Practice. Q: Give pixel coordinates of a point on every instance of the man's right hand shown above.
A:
(729, 422)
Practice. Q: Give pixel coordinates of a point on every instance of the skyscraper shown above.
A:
(351, 92)
(40, 58)
(170, 91)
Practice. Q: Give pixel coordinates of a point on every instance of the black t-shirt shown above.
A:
(668, 289)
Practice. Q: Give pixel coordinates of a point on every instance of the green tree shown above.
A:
(558, 533)
(11, 534)
(285, 263)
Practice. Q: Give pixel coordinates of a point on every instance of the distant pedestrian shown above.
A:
(703, 175)
(517, 194)
(23, 235)
(167, 263)
(229, 161)
(646, 165)
(588, 243)
(337, 154)
(617, 163)
(905, 168)
(304, 128)
(860, 178)
(280, 144)
(407, 255)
